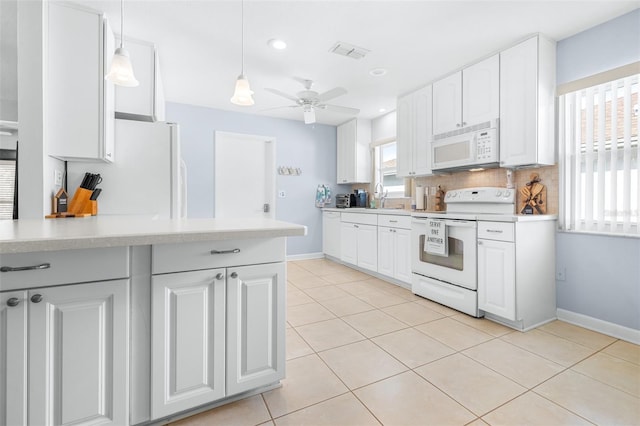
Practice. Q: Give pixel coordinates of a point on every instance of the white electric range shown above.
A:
(451, 276)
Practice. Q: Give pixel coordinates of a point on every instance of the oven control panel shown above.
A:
(480, 195)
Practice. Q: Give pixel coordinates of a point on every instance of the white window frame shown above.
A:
(380, 171)
(592, 199)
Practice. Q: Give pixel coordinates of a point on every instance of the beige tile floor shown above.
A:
(361, 351)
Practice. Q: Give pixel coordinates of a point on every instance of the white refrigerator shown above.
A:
(147, 176)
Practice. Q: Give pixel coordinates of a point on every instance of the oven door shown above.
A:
(459, 267)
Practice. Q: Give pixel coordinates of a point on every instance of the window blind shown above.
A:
(598, 151)
(7, 184)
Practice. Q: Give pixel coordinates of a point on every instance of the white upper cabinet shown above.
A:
(146, 101)
(467, 97)
(414, 133)
(353, 152)
(79, 101)
(527, 103)
(447, 103)
(481, 92)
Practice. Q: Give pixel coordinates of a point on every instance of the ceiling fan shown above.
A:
(310, 100)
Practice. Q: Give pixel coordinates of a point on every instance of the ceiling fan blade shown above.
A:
(309, 116)
(340, 109)
(280, 107)
(284, 95)
(333, 93)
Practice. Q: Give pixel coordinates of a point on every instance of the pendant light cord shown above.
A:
(242, 26)
(121, 23)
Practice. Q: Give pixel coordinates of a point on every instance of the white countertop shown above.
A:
(30, 235)
(443, 215)
(400, 212)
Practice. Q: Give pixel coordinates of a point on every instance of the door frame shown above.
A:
(269, 163)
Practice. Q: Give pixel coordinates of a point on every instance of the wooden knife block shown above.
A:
(80, 205)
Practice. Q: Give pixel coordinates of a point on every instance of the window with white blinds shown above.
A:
(598, 149)
(7, 185)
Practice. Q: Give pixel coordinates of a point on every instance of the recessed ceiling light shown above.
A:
(277, 44)
(378, 72)
(382, 110)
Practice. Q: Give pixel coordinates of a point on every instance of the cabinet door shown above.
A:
(518, 104)
(386, 251)
(13, 358)
(367, 242)
(423, 131)
(481, 92)
(346, 152)
(79, 354)
(402, 255)
(139, 101)
(188, 335)
(447, 104)
(404, 135)
(76, 84)
(331, 233)
(255, 326)
(496, 278)
(349, 243)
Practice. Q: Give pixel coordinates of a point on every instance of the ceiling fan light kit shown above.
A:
(242, 94)
(121, 71)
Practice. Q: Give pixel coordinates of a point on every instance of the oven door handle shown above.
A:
(452, 223)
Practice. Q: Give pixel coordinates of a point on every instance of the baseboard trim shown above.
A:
(305, 256)
(604, 327)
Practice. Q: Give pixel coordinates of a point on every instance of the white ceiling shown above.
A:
(416, 41)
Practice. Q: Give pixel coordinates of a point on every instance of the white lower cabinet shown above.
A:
(497, 278)
(394, 247)
(331, 233)
(359, 245)
(188, 339)
(215, 332)
(255, 326)
(66, 357)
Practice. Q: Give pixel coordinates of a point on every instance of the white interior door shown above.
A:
(244, 176)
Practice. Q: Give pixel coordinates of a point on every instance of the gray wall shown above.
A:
(602, 272)
(310, 147)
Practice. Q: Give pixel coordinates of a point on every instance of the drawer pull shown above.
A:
(495, 231)
(393, 221)
(14, 301)
(234, 275)
(37, 298)
(25, 268)
(232, 251)
(219, 276)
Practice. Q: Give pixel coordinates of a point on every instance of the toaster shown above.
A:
(343, 201)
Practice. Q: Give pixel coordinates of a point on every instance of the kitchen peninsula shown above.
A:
(131, 320)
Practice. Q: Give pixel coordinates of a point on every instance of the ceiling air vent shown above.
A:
(349, 50)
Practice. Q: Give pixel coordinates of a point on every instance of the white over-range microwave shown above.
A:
(473, 147)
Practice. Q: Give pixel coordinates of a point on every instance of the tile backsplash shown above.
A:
(491, 177)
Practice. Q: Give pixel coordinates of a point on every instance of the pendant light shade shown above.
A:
(242, 95)
(121, 72)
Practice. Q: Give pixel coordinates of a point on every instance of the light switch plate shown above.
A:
(57, 178)
(282, 194)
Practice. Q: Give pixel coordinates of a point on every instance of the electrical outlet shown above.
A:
(432, 190)
(57, 178)
(561, 274)
(282, 194)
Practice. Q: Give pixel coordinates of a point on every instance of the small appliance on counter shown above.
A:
(361, 197)
(343, 201)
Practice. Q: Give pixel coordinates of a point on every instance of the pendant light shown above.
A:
(121, 72)
(243, 94)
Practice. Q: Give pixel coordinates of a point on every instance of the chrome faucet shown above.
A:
(382, 194)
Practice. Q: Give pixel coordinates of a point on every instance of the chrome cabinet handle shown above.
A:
(495, 231)
(37, 298)
(393, 221)
(480, 243)
(464, 123)
(219, 276)
(25, 268)
(234, 275)
(232, 251)
(14, 301)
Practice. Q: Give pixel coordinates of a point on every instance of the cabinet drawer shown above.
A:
(394, 221)
(167, 258)
(363, 218)
(65, 267)
(499, 231)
